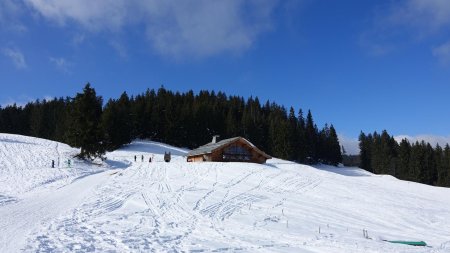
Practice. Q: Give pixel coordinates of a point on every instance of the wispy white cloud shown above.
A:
(425, 19)
(92, 15)
(424, 16)
(16, 56)
(407, 20)
(205, 28)
(120, 49)
(432, 139)
(374, 43)
(78, 39)
(9, 16)
(442, 52)
(61, 64)
(191, 28)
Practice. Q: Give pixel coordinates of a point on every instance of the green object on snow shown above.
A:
(412, 243)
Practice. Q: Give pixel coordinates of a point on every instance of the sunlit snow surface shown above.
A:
(126, 205)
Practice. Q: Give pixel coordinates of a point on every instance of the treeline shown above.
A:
(181, 119)
(419, 161)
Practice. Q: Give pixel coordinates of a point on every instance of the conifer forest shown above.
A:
(190, 120)
(180, 119)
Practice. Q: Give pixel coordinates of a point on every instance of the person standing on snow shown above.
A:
(135, 158)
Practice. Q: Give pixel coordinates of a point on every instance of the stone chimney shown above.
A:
(215, 137)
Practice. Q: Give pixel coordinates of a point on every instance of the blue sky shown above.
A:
(361, 65)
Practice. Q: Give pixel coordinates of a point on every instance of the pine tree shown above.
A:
(311, 138)
(335, 149)
(446, 167)
(279, 132)
(323, 145)
(430, 172)
(85, 127)
(302, 146)
(404, 154)
(416, 162)
(440, 165)
(385, 156)
(293, 135)
(365, 147)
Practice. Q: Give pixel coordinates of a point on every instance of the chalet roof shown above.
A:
(210, 147)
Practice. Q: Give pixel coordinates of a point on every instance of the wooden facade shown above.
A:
(235, 149)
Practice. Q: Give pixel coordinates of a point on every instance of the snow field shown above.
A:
(215, 207)
(25, 164)
(212, 207)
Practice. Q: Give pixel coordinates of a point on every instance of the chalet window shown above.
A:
(235, 152)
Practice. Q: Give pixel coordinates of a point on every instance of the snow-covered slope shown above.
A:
(26, 164)
(31, 191)
(213, 207)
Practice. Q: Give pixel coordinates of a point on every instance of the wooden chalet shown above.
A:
(235, 149)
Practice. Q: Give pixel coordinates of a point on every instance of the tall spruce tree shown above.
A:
(293, 136)
(404, 154)
(85, 129)
(445, 174)
(301, 131)
(430, 171)
(311, 138)
(439, 163)
(335, 156)
(279, 132)
(365, 153)
(323, 147)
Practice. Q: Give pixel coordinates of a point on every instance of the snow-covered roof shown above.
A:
(210, 147)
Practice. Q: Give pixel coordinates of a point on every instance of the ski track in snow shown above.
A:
(157, 217)
(208, 207)
(27, 214)
(4, 200)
